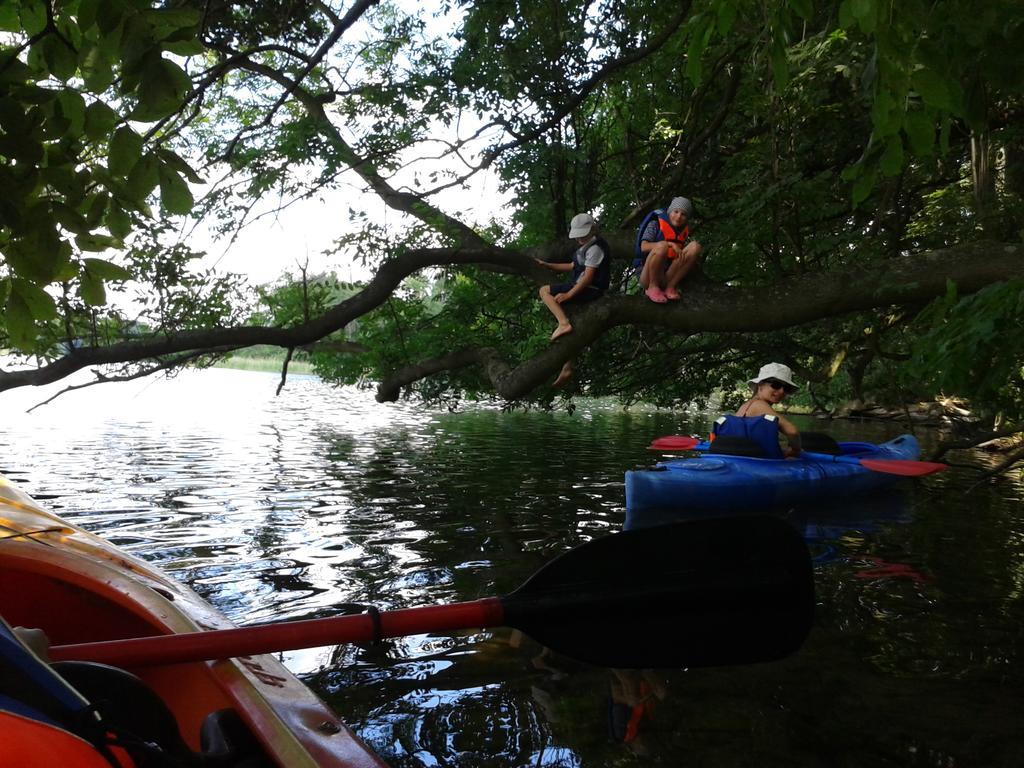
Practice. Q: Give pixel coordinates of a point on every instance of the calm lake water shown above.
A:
(286, 507)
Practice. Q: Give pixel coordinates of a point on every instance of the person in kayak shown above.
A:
(669, 252)
(591, 276)
(757, 420)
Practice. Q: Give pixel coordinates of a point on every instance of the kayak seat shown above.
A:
(734, 445)
(148, 729)
(140, 720)
(819, 442)
(227, 743)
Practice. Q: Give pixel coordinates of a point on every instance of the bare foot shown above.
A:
(563, 378)
(672, 294)
(560, 331)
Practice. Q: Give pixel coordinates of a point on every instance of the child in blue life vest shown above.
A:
(591, 276)
(669, 252)
(757, 420)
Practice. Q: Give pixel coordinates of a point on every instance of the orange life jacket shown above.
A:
(30, 743)
(670, 233)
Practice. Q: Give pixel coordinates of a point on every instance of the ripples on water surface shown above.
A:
(284, 508)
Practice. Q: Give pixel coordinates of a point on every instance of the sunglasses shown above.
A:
(776, 384)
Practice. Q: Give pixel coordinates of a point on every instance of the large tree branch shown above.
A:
(376, 292)
(707, 307)
(910, 280)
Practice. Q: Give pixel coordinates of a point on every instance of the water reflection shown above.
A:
(278, 508)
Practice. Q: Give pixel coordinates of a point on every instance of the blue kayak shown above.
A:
(718, 483)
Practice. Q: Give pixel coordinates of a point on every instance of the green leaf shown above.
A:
(944, 136)
(701, 35)
(92, 290)
(851, 172)
(175, 196)
(118, 221)
(167, 21)
(892, 158)
(803, 8)
(95, 207)
(100, 120)
(87, 10)
(143, 178)
(97, 72)
(66, 269)
(780, 65)
(884, 115)
(20, 327)
(12, 69)
(190, 47)
(162, 90)
(726, 17)
(9, 21)
(173, 161)
(125, 151)
(107, 270)
(865, 11)
(72, 106)
(863, 187)
(97, 243)
(110, 14)
(40, 304)
(862, 9)
(69, 218)
(920, 129)
(932, 88)
(60, 58)
(846, 17)
(33, 17)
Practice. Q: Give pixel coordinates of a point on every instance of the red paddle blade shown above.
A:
(674, 443)
(902, 467)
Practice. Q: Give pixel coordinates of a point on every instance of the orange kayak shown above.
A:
(78, 588)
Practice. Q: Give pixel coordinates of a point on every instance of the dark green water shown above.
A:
(287, 507)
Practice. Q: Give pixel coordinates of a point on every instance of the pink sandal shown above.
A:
(654, 294)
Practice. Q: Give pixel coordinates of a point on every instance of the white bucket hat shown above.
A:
(581, 225)
(774, 371)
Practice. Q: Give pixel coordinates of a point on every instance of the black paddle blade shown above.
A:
(694, 594)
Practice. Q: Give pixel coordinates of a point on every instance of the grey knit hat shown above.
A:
(681, 204)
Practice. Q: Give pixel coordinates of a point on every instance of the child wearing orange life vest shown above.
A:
(670, 253)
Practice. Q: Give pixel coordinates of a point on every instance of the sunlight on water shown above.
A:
(291, 507)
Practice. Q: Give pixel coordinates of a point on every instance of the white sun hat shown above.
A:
(774, 371)
(581, 225)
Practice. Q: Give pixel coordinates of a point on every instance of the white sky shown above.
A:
(275, 245)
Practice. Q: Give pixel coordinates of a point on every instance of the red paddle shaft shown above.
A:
(290, 635)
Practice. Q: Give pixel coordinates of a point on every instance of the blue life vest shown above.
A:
(762, 430)
(603, 278)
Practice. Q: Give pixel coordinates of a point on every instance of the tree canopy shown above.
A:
(857, 168)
